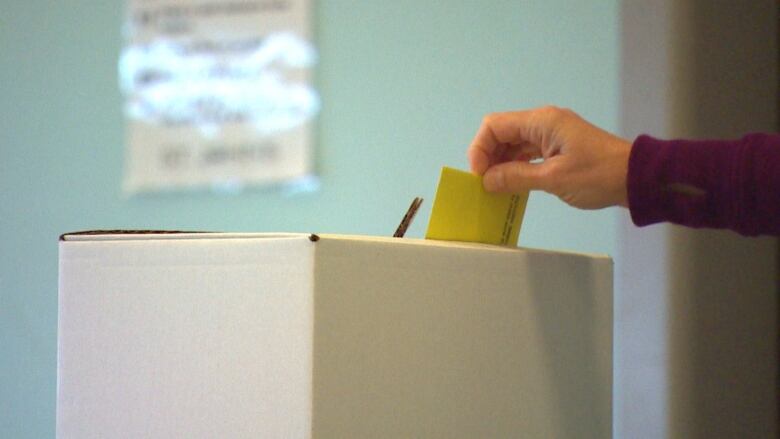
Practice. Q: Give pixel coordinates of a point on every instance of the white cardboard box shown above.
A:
(297, 336)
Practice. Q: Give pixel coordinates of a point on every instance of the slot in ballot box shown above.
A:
(202, 335)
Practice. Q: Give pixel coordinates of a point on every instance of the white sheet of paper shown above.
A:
(217, 93)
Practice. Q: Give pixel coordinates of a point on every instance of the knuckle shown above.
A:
(559, 114)
(556, 115)
(551, 178)
(489, 119)
(565, 111)
(548, 111)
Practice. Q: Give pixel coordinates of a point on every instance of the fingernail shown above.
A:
(493, 180)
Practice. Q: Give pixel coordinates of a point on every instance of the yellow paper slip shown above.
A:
(464, 211)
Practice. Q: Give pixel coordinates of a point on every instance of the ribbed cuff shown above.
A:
(645, 171)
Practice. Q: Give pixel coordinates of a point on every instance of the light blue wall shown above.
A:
(404, 86)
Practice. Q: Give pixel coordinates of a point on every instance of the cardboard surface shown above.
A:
(255, 335)
(190, 336)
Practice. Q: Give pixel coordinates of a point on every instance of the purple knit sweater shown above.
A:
(733, 184)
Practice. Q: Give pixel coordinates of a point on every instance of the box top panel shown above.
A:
(149, 235)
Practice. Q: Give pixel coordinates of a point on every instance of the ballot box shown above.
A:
(205, 335)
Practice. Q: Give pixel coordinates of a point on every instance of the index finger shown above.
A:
(502, 129)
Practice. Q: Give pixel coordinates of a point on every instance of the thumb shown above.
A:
(515, 176)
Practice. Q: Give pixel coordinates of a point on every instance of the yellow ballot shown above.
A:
(464, 211)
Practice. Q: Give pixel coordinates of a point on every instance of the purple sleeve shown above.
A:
(732, 184)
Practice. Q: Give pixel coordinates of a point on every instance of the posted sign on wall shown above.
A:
(217, 93)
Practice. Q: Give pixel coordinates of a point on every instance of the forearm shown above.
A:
(712, 183)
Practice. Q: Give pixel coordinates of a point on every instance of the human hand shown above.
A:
(581, 164)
